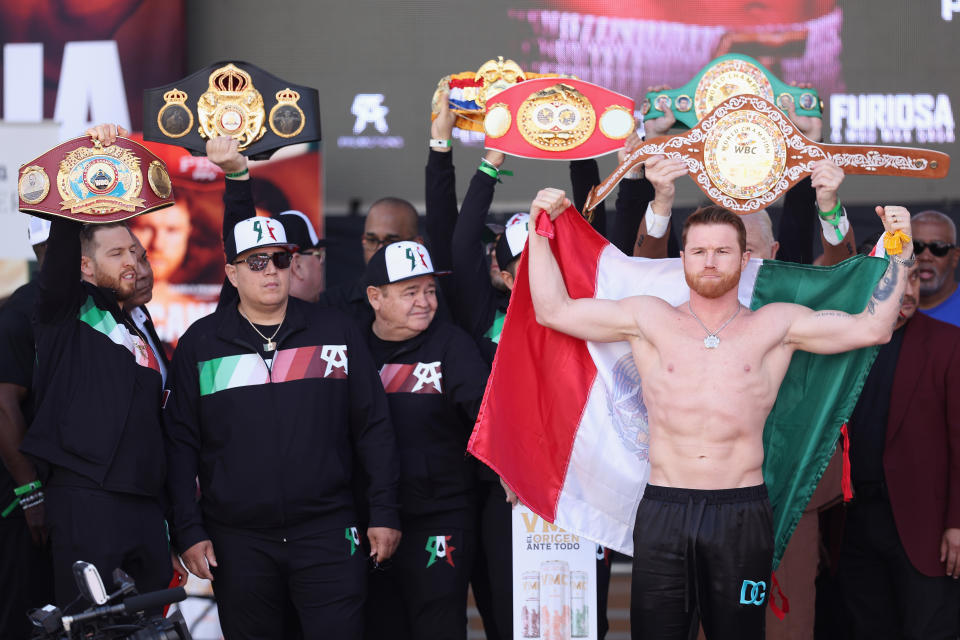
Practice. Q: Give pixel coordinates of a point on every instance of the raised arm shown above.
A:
(59, 279)
(441, 190)
(836, 233)
(653, 235)
(224, 152)
(813, 199)
(584, 318)
(835, 331)
(471, 287)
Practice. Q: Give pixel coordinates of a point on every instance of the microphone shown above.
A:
(133, 604)
(154, 600)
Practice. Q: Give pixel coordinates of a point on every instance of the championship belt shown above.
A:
(95, 183)
(725, 77)
(746, 153)
(237, 99)
(469, 91)
(557, 119)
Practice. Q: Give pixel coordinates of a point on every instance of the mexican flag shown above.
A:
(563, 421)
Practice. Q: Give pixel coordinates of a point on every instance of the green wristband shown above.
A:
(27, 488)
(19, 491)
(238, 174)
(11, 507)
(832, 217)
(488, 168)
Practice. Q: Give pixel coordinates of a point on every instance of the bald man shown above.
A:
(388, 220)
(935, 239)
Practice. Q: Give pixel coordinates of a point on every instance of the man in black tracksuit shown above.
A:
(96, 432)
(434, 378)
(272, 401)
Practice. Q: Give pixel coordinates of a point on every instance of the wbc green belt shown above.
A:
(727, 76)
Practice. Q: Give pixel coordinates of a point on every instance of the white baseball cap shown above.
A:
(398, 262)
(513, 239)
(258, 232)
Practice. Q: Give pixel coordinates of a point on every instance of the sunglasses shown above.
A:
(939, 249)
(259, 261)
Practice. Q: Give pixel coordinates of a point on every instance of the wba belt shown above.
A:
(263, 112)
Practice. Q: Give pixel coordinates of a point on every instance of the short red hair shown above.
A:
(715, 215)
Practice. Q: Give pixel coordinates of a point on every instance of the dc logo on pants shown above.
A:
(753, 592)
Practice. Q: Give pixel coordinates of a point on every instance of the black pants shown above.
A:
(492, 577)
(603, 590)
(323, 575)
(26, 577)
(885, 596)
(422, 595)
(701, 555)
(110, 530)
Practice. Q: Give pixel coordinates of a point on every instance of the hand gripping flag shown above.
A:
(564, 423)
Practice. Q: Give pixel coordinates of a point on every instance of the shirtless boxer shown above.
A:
(711, 370)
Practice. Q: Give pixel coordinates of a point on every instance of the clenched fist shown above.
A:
(223, 151)
(897, 219)
(553, 202)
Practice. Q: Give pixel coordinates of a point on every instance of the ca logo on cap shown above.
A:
(258, 231)
(407, 259)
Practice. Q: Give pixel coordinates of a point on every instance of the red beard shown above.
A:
(712, 287)
(124, 289)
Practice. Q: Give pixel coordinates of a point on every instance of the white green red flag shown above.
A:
(563, 421)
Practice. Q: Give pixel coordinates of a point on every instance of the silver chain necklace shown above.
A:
(269, 345)
(712, 341)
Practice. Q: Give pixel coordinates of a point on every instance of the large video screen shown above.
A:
(886, 71)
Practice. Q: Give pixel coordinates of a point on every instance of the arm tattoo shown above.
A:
(831, 314)
(884, 288)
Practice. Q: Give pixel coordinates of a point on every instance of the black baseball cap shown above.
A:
(300, 230)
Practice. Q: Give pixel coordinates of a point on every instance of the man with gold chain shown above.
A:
(276, 406)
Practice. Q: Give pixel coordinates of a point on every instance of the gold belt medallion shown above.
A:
(34, 184)
(231, 106)
(557, 118)
(745, 154)
(100, 180)
(728, 79)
